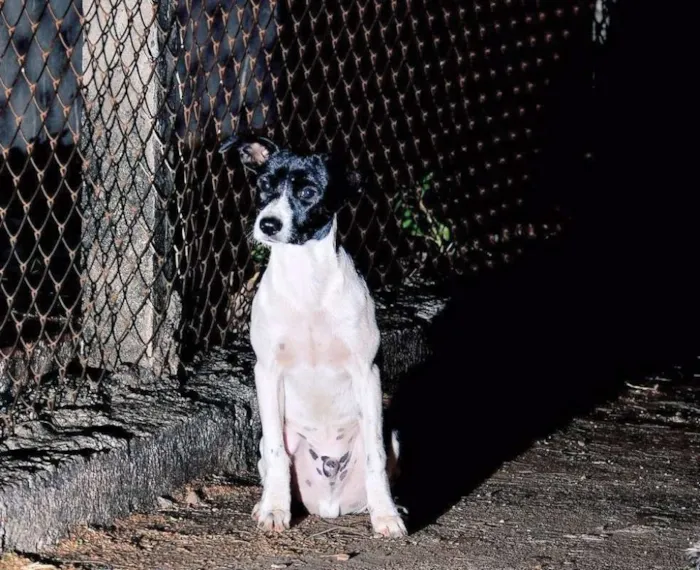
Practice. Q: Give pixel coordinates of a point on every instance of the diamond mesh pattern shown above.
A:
(124, 234)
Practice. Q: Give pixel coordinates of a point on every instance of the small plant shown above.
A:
(416, 218)
(260, 254)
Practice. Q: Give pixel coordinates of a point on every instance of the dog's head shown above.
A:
(297, 196)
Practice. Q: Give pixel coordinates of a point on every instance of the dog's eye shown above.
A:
(307, 193)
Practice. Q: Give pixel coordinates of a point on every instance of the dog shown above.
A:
(315, 337)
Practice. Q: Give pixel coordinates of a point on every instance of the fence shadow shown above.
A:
(520, 352)
(517, 355)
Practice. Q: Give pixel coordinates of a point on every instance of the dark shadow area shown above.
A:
(519, 352)
(40, 229)
(210, 206)
(228, 59)
(449, 92)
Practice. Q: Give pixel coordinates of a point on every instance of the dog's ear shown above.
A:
(355, 182)
(254, 151)
(345, 182)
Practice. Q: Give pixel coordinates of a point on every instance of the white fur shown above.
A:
(278, 208)
(315, 336)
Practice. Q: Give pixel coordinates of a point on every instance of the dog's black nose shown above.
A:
(270, 226)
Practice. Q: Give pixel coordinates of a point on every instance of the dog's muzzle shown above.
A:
(274, 222)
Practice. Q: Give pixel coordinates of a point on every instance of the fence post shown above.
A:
(129, 311)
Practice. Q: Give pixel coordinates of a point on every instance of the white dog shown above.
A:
(315, 337)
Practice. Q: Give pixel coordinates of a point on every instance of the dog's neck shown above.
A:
(304, 271)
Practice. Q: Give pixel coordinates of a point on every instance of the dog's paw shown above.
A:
(390, 526)
(271, 519)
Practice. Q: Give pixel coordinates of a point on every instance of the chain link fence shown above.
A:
(124, 234)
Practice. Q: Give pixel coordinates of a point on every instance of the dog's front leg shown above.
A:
(383, 513)
(273, 512)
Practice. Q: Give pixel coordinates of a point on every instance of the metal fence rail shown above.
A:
(123, 233)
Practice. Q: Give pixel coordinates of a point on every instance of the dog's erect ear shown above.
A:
(355, 182)
(345, 182)
(254, 151)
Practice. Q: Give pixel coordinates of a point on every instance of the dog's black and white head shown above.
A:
(297, 196)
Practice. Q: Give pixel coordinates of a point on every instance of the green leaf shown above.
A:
(260, 254)
(406, 223)
(445, 233)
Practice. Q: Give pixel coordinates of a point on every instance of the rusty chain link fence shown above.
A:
(123, 232)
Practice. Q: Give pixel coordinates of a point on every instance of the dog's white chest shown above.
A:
(312, 348)
(313, 312)
(312, 341)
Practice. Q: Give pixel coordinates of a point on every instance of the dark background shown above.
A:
(520, 352)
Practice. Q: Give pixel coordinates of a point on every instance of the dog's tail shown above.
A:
(395, 443)
(392, 466)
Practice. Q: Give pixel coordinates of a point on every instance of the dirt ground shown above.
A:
(618, 489)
